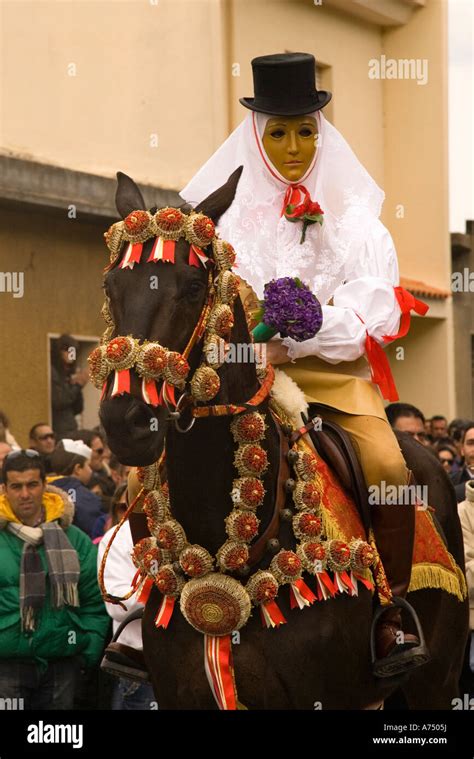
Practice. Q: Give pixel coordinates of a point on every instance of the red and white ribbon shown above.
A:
(121, 382)
(132, 255)
(301, 595)
(271, 615)
(150, 392)
(163, 250)
(165, 612)
(219, 670)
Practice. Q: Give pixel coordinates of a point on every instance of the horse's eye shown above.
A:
(194, 288)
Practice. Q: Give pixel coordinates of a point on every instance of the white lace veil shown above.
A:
(266, 244)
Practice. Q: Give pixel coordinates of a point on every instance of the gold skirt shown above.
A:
(343, 386)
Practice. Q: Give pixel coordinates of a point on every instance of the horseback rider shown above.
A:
(292, 156)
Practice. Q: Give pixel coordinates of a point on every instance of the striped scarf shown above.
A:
(63, 570)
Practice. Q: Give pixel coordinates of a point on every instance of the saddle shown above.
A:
(337, 449)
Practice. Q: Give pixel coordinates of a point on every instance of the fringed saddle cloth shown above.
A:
(433, 565)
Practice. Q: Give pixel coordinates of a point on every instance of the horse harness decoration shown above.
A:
(213, 602)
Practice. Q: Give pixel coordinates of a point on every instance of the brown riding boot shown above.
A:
(394, 530)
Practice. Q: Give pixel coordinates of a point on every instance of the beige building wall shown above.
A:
(62, 263)
(135, 86)
(416, 182)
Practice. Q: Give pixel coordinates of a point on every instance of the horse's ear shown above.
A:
(128, 197)
(219, 201)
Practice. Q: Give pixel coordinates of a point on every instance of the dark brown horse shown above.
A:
(321, 658)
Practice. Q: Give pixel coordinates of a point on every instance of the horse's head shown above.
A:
(157, 291)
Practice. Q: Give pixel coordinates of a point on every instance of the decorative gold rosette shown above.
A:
(227, 287)
(307, 524)
(114, 239)
(306, 466)
(286, 566)
(171, 536)
(169, 223)
(168, 581)
(232, 555)
(248, 428)
(248, 493)
(251, 460)
(307, 495)
(152, 360)
(224, 253)
(242, 525)
(215, 604)
(199, 229)
(214, 350)
(177, 369)
(145, 551)
(98, 366)
(362, 555)
(313, 555)
(205, 383)
(339, 555)
(195, 561)
(121, 352)
(138, 226)
(262, 587)
(156, 508)
(221, 320)
(149, 477)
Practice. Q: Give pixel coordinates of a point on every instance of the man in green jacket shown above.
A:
(52, 617)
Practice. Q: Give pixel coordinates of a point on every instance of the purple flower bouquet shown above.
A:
(290, 308)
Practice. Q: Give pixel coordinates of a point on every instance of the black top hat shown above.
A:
(284, 85)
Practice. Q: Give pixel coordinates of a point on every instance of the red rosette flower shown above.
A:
(205, 384)
(232, 555)
(306, 466)
(199, 229)
(137, 226)
(297, 211)
(153, 559)
(339, 555)
(362, 555)
(156, 507)
(144, 546)
(98, 367)
(177, 368)
(149, 477)
(152, 360)
(306, 495)
(242, 525)
(120, 352)
(221, 320)
(169, 223)
(168, 582)
(251, 460)
(314, 209)
(171, 536)
(248, 428)
(313, 555)
(309, 212)
(250, 492)
(227, 287)
(307, 524)
(262, 587)
(196, 561)
(286, 566)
